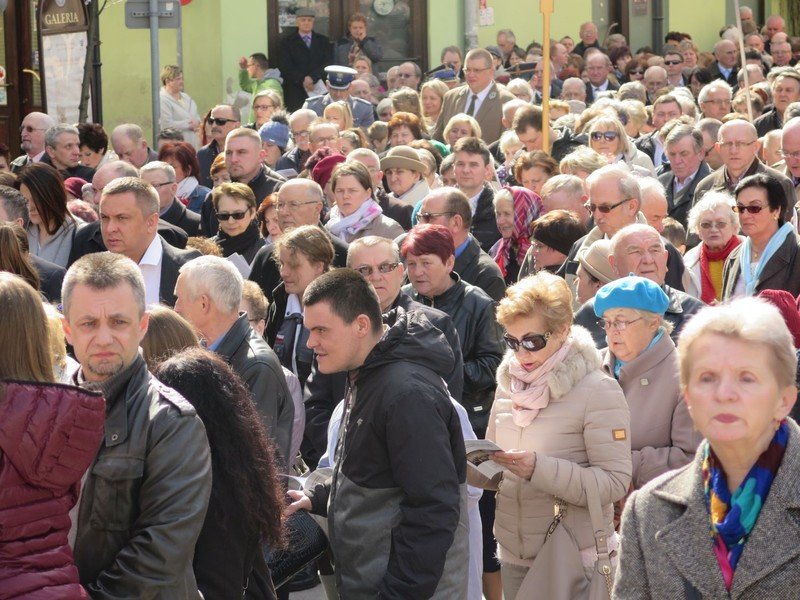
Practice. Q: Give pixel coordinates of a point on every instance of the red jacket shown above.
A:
(49, 435)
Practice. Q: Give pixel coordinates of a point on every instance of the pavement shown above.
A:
(316, 593)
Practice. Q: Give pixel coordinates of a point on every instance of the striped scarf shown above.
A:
(734, 515)
(527, 207)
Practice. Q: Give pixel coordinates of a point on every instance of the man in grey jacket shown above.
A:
(145, 496)
(209, 292)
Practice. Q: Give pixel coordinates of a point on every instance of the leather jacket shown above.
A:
(145, 496)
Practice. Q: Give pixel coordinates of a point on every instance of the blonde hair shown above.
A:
(750, 320)
(607, 122)
(462, 118)
(24, 336)
(255, 300)
(543, 294)
(343, 108)
(58, 341)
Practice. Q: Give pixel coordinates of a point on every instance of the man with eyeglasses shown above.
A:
(255, 75)
(615, 199)
(299, 203)
(31, 134)
(339, 82)
(785, 84)
(450, 207)
(738, 146)
(715, 99)
(299, 123)
(302, 55)
(684, 149)
(639, 249)
(161, 176)
(223, 119)
(480, 98)
(724, 67)
(673, 63)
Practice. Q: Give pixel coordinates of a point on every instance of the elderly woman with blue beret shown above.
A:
(725, 526)
(642, 357)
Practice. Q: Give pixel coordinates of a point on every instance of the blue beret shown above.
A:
(274, 132)
(631, 292)
(340, 77)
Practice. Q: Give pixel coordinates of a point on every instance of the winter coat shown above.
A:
(49, 435)
(397, 501)
(782, 271)
(583, 432)
(663, 436)
(177, 114)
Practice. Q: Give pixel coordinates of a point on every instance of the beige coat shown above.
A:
(662, 434)
(490, 113)
(583, 432)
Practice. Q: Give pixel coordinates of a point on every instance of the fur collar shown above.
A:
(582, 359)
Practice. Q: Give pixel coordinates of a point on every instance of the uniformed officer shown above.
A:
(339, 80)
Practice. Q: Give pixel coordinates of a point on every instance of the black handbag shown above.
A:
(305, 542)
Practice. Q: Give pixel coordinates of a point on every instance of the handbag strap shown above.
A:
(603, 565)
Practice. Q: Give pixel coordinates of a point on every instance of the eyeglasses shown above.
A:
(616, 325)
(367, 270)
(714, 224)
(609, 135)
(753, 209)
(603, 208)
(537, 246)
(263, 106)
(737, 145)
(158, 186)
(792, 155)
(293, 205)
(29, 129)
(236, 216)
(532, 342)
(636, 72)
(296, 135)
(672, 63)
(220, 121)
(708, 151)
(426, 217)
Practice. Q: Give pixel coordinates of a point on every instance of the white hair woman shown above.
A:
(737, 373)
(459, 126)
(714, 221)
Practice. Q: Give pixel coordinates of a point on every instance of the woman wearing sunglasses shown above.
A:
(235, 205)
(607, 137)
(563, 424)
(768, 259)
(642, 357)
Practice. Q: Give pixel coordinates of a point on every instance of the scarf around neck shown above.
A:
(530, 390)
(186, 188)
(346, 228)
(751, 276)
(707, 292)
(239, 243)
(733, 516)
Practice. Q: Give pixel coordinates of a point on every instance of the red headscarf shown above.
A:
(527, 206)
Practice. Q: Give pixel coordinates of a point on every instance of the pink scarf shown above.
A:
(527, 207)
(530, 390)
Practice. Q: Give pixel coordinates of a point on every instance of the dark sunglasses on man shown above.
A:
(220, 120)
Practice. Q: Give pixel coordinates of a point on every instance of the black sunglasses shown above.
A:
(237, 216)
(220, 121)
(753, 209)
(425, 217)
(603, 208)
(672, 63)
(609, 135)
(532, 342)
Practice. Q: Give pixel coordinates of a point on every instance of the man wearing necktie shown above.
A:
(303, 56)
(598, 68)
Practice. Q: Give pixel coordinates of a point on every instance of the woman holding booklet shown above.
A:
(565, 427)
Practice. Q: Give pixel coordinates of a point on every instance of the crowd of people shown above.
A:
(377, 270)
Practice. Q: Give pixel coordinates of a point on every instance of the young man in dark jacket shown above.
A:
(400, 461)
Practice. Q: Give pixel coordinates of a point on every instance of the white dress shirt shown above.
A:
(150, 266)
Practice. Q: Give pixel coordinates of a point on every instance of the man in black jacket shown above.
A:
(209, 293)
(146, 494)
(378, 261)
(244, 159)
(303, 55)
(223, 119)
(472, 168)
(161, 176)
(400, 462)
(684, 148)
(62, 152)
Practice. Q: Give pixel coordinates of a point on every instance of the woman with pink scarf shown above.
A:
(563, 425)
(515, 208)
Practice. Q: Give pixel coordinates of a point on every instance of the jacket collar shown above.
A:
(175, 212)
(771, 544)
(237, 334)
(448, 296)
(647, 360)
(116, 427)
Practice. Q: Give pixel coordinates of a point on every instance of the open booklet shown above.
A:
(479, 456)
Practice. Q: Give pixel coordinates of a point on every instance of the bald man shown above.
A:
(724, 67)
(31, 134)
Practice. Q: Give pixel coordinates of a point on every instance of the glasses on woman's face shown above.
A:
(753, 209)
(610, 136)
(605, 324)
(236, 216)
(532, 342)
(714, 225)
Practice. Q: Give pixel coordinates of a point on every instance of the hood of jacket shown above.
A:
(582, 358)
(273, 74)
(411, 337)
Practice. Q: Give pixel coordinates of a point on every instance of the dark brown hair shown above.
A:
(14, 256)
(48, 193)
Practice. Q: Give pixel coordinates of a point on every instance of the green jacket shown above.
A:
(270, 81)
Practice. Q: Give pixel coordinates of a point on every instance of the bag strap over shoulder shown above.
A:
(603, 565)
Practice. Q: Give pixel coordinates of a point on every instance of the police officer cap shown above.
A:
(445, 72)
(339, 77)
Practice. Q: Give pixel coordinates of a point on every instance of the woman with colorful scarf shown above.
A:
(357, 214)
(714, 221)
(769, 257)
(515, 208)
(725, 526)
(563, 425)
(642, 357)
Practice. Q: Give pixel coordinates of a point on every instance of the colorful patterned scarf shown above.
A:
(734, 515)
(527, 207)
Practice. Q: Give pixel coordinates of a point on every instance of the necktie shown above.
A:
(471, 109)
(307, 40)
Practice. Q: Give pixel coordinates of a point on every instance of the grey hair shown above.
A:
(517, 86)
(371, 241)
(751, 320)
(714, 86)
(503, 194)
(568, 184)
(792, 111)
(301, 113)
(632, 90)
(582, 158)
(507, 33)
(311, 187)
(130, 130)
(617, 238)
(121, 168)
(14, 204)
(516, 103)
(508, 138)
(163, 167)
(710, 202)
(146, 196)
(51, 135)
(652, 185)
(217, 278)
(103, 271)
(364, 153)
(627, 183)
(680, 132)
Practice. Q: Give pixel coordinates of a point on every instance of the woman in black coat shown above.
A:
(246, 497)
(235, 207)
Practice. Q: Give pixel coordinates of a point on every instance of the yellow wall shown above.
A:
(525, 20)
(702, 20)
